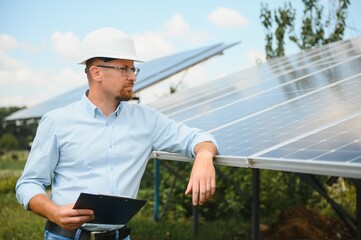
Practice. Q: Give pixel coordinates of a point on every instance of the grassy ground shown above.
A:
(18, 224)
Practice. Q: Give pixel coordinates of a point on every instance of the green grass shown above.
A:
(11, 165)
(16, 223)
(19, 224)
(182, 229)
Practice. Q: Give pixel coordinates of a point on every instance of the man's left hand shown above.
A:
(202, 182)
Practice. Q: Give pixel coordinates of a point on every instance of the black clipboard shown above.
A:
(109, 209)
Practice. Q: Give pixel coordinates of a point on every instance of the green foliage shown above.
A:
(313, 31)
(7, 185)
(279, 191)
(343, 192)
(16, 223)
(15, 134)
(8, 142)
(6, 111)
(284, 17)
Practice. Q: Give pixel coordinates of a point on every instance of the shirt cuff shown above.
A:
(26, 192)
(204, 137)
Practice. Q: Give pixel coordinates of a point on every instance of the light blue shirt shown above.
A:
(78, 149)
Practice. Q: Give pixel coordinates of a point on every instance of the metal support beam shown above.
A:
(255, 203)
(195, 220)
(156, 190)
(234, 185)
(345, 217)
(357, 183)
(358, 209)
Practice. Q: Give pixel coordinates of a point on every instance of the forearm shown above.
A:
(41, 205)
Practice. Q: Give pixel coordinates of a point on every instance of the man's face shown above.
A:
(117, 83)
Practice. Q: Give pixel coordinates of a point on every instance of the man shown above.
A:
(101, 144)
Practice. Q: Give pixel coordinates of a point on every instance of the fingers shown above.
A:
(69, 218)
(202, 191)
(207, 190)
(195, 193)
(189, 188)
(213, 186)
(82, 212)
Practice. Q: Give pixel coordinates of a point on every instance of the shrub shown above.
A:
(7, 185)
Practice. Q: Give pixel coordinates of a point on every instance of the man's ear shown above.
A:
(95, 73)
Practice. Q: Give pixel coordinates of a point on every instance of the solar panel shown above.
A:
(151, 73)
(159, 69)
(299, 113)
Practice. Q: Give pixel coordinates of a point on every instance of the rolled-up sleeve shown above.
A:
(174, 137)
(40, 163)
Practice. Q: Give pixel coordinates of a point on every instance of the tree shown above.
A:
(8, 142)
(314, 30)
(284, 17)
(23, 131)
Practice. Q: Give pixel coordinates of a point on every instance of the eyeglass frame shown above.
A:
(125, 70)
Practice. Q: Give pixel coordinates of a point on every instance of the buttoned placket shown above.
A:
(111, 156)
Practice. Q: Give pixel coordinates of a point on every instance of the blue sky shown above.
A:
(39, 40)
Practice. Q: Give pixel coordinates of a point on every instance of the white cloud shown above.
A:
(66, 79)
(255, 57)
(12, 100)
(152, 44)
(7, 62)
(30, 86)
(33, 87)
(158, 43)
(7, 42)
(15, 72)
(177, 27)
(67, 44)
(227, 18)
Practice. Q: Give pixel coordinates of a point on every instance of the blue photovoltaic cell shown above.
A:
(291, 119)
(339, 142)
(304, 108)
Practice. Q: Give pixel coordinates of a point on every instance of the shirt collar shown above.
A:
(117, 110)
(89, 106)
(92, 109)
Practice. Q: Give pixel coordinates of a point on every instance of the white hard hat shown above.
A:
(108, 43)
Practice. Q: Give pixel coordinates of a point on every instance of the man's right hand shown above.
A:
(68, 218)
(64, 216)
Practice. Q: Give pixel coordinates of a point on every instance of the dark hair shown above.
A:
(91, 61)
